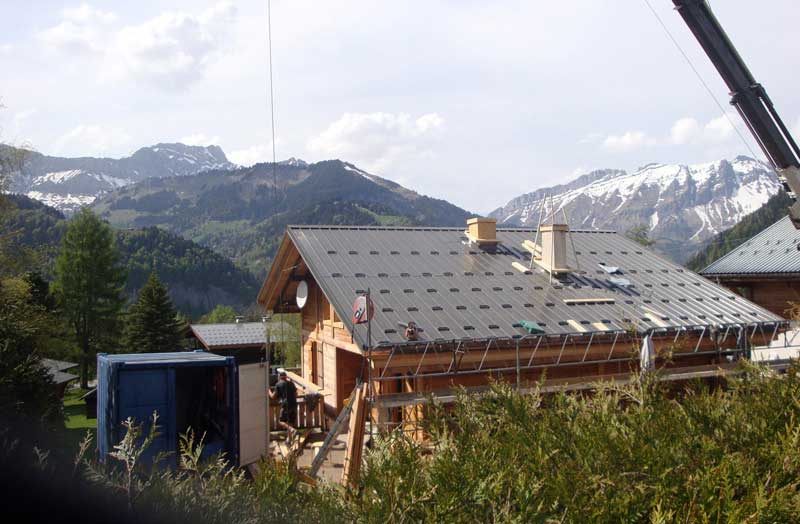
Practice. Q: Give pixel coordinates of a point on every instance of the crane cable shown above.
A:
(271, 99)
(702, 81)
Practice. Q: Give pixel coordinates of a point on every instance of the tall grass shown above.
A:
(630, 454)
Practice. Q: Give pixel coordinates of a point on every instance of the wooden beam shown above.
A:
(355, 439)
(286, 257)
(449, 395)
(588, 300)
(318, 337)
(534, 248)
(571, 354)
(308, 386)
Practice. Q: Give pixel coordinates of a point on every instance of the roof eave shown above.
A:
(266, 295)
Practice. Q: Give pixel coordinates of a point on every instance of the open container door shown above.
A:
(252, 413)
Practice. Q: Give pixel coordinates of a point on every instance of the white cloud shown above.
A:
(91, 140)
(200, 139)
(378, 140)
(685, 130)
(591, 138)
(251, 155)
(719, 129)
(628, 141)
(85, 13)
(257, 153)
(172, 50)
(6, 49)
(688, 130)
(82, 29)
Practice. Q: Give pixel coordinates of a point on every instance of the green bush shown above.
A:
(639, 453)
(626, 454)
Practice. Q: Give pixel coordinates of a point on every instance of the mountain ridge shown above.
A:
(69, 183)
(244, 211)
(681, 205)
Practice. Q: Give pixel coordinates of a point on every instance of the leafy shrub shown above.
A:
(636, 453)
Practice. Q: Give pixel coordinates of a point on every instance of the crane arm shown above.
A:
(747, 96)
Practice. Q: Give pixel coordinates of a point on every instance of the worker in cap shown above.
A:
(286, 393)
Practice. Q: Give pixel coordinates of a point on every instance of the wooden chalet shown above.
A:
(764, 269)
(570, 306)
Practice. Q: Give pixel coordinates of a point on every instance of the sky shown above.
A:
(474, 102)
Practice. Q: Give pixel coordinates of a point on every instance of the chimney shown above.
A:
(552, 253)
(482, 231)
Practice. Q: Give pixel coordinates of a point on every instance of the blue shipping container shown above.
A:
(196, 390)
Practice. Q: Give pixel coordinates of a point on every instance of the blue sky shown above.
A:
(475, 102)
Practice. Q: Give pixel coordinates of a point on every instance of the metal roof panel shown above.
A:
(454, 290)
(773, 251)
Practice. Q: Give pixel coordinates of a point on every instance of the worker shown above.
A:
(286, 392)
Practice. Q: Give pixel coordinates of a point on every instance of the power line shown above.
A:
(702, 81)
(272, 99)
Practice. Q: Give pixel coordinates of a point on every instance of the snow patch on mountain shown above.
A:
(678, 203)
(65, 203)
(61, 177)
(68, 183)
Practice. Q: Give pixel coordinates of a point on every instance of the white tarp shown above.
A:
(647, 354)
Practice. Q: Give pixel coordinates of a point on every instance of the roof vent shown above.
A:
(482, 231)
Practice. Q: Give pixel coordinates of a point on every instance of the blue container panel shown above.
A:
(103, 406)
(136, 385)
(142, 392)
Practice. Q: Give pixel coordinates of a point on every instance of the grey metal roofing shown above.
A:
(57, 369)
(153, 358)
(454, 290)
(58, 365)
(59, 377)
(240, 334)
(773, 251)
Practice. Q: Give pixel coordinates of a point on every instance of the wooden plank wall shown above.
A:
(776, 296)
(773, 295)
(332, 360)
(328, 350)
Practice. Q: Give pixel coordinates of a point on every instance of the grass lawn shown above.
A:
(76, 422)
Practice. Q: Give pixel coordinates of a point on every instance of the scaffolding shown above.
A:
(454, 358)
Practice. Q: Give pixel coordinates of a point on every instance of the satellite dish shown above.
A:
(302, 294)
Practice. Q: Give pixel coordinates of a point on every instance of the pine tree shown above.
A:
(152, 324)
(89, 284)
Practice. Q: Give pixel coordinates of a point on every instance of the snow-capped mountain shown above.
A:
(69, 183)
(681, 205)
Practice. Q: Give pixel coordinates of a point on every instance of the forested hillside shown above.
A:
(244, 212)
(198, 278)
(721, 244)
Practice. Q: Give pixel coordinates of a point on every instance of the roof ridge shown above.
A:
(766, 232)
(336, 227)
